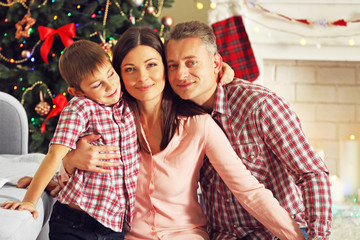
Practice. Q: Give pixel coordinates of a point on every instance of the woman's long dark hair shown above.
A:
(172, 106)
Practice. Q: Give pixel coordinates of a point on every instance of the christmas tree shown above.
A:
(33, 36)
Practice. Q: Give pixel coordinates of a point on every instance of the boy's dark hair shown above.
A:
(81, 59)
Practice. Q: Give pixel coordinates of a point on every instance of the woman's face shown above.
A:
(143, 73)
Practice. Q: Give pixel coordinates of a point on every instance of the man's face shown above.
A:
(192, 70)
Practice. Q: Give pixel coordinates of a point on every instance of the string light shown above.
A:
(199, 5)
(212, 5)
(351, 42)
(302, 41)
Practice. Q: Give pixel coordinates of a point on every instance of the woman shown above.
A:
(174, 139)
(174, 136)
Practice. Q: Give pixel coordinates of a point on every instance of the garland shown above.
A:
(320, 22)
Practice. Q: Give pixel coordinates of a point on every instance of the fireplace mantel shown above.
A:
(274, 37)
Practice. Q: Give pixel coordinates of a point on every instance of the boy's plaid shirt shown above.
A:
(106, 197)
(267, 136)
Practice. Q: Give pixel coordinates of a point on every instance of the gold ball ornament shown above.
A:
(25, 54)
(150, 10)
(42, 108)
(167, 21)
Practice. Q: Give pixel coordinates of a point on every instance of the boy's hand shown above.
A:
(21, 206)
(89, 157)
(226, 74)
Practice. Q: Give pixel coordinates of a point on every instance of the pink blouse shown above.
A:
(167, 204)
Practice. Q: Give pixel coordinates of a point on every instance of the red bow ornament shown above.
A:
(60, 102)
(47, 34)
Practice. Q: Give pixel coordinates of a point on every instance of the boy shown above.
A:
(97, 108)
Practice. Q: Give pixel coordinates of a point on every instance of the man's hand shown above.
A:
(226, 74)
(52, 188)
(89, 157)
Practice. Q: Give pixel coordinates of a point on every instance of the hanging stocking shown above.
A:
(234, 46)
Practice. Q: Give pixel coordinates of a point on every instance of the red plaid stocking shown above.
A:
(234, 46)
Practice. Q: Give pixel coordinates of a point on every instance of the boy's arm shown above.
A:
(41, 179)
(45, 172)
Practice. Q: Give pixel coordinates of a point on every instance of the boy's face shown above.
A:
(192, 70)
(102, 87)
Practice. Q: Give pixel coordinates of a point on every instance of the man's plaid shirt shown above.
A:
(106, 197)
(267, 136)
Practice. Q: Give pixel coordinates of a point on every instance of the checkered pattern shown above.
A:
(234, 46)
(105, 197)
(267, 136)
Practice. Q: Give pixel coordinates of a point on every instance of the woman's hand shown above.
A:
(53, 188)
(226, 74)
(89, 157)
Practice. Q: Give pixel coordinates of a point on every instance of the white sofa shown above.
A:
(16, 162)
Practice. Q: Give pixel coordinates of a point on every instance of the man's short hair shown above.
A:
(195, 29)
(80, 60)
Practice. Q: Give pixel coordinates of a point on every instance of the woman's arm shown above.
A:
(226, 74)
(252, 195)
(89, 157)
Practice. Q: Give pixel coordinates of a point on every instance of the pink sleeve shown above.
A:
(252, 195)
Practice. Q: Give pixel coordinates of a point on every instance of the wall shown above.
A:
(326, 97)
(185, 10)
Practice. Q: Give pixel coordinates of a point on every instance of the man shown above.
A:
(263, 130)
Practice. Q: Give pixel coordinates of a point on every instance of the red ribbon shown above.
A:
(47, 34)
(60, 102)
(303, 21)
(340, 22)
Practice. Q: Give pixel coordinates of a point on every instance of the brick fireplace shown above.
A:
(326, 97)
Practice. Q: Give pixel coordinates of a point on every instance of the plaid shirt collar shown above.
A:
(221, 102)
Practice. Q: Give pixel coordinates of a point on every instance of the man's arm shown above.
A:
(283, 134)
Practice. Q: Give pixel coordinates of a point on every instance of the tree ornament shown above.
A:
(106, 46)
(25, 54)
(42, 108)
(138, 2)
(59, 101)
(22, 31)
(47, 35)
(150, 10)
(167, 21)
